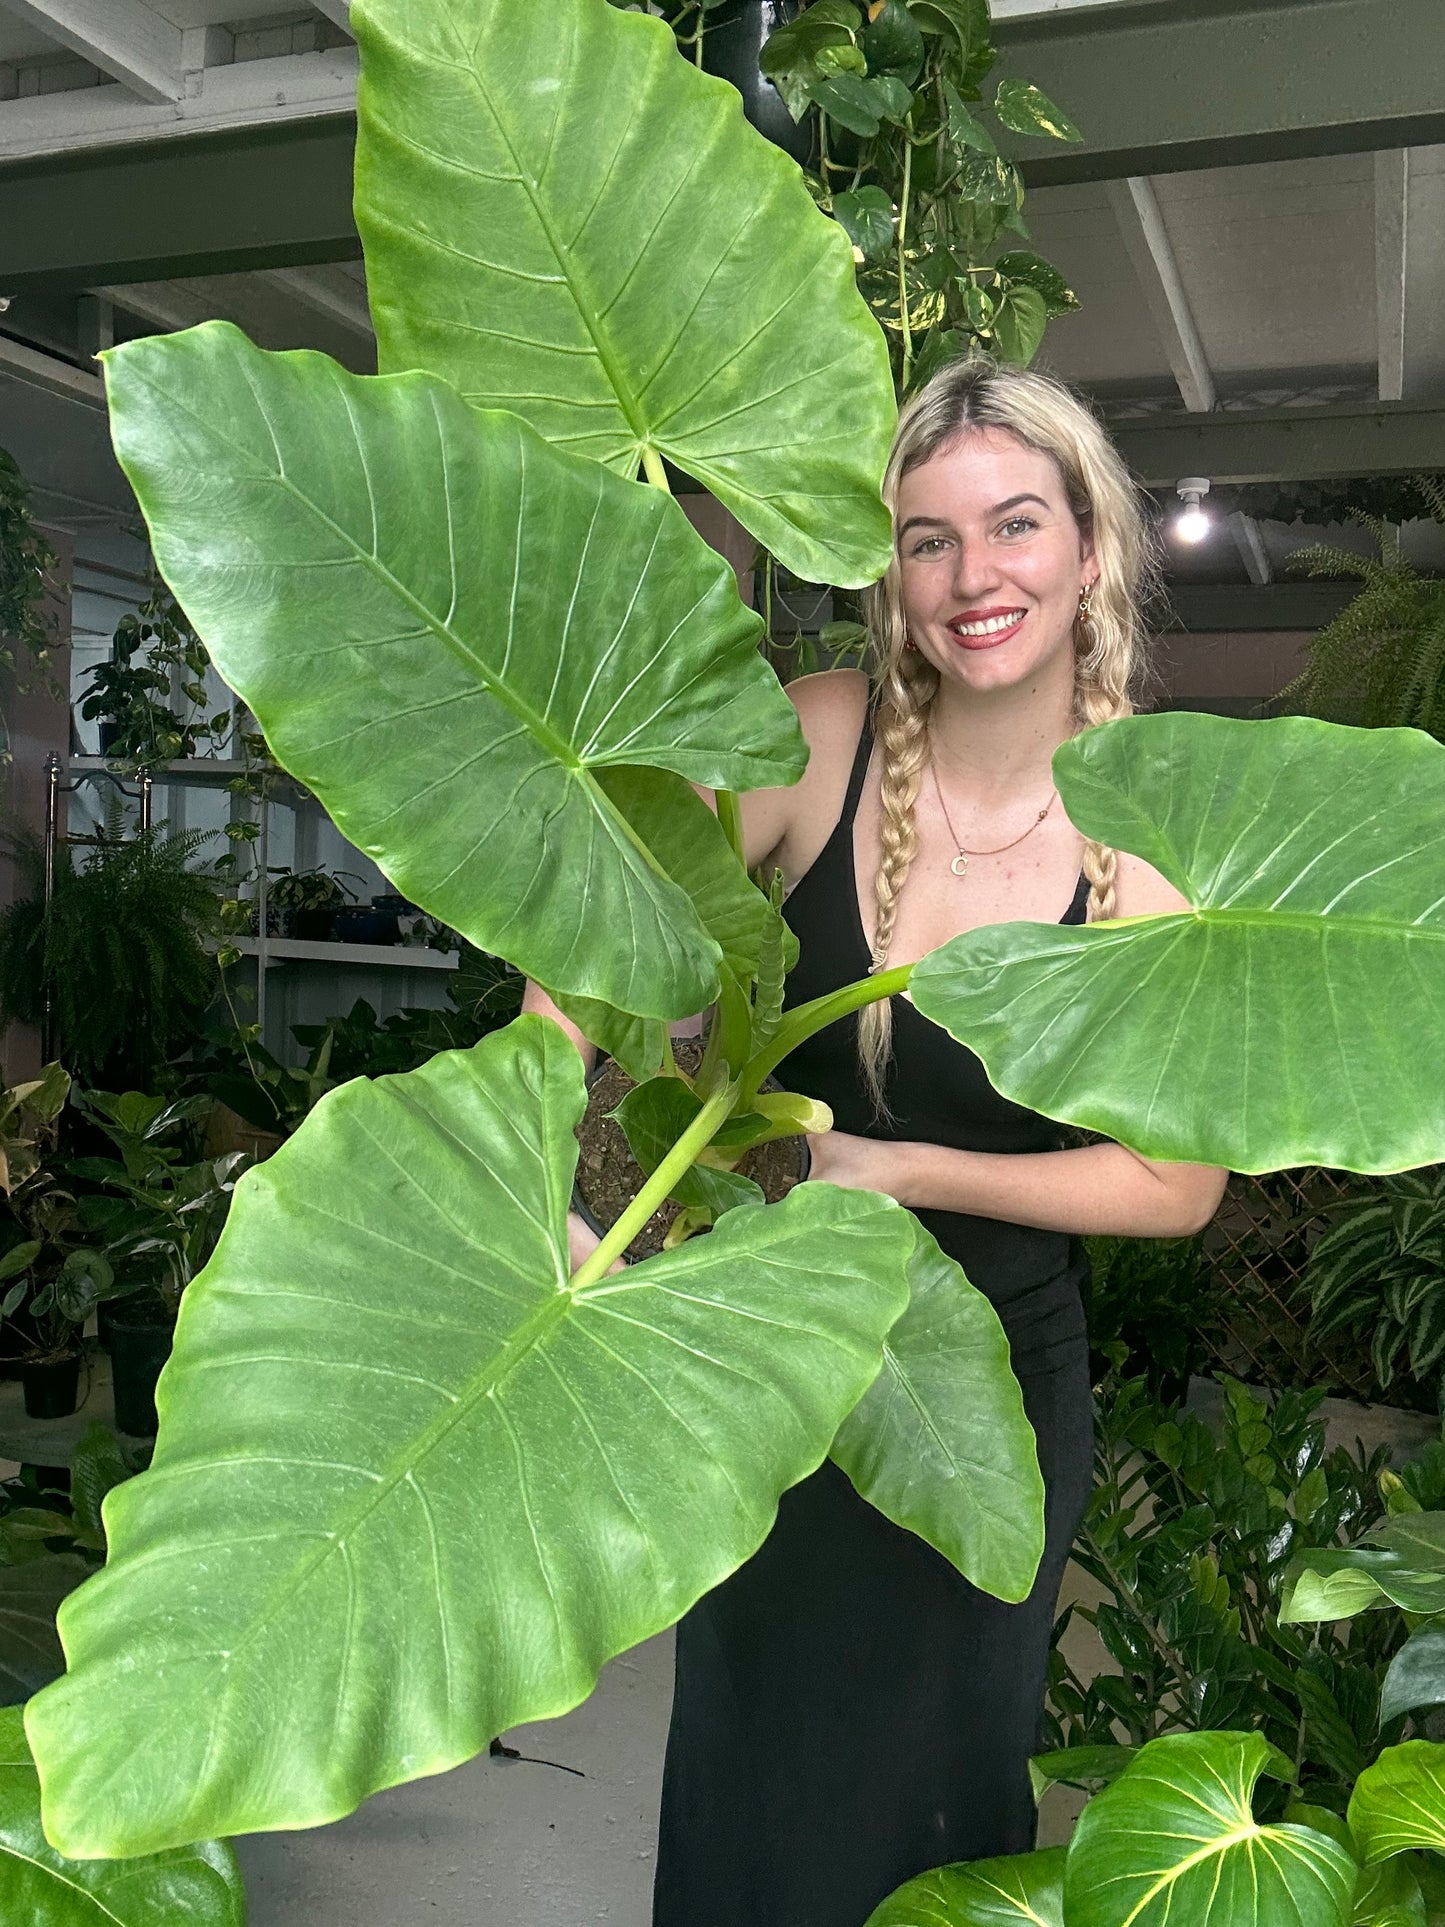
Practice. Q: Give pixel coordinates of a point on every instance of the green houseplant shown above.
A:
(538, 657)
(155, 654)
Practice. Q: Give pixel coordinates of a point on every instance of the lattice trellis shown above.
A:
(1258, 1246)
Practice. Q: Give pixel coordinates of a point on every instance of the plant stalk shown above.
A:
(655, 472)
(902, 260)
(700, 1133)
(801, 1023)
(730, 815)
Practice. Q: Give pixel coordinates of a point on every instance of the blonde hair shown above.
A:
(1045, 415)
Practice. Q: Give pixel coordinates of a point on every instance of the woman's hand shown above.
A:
(860, 1163)
(582, 1241)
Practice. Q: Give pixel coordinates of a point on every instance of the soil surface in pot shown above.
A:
(609, 1178)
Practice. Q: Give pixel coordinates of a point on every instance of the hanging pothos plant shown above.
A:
(911, 168)
(27, 563)
(451, 1475)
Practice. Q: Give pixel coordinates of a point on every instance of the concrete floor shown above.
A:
(497, 1843)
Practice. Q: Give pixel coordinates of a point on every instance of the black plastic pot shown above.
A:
(141, 1333)
(731, 45)
(359, 924)
(51, 1385)
(111, 735)
(313, 926)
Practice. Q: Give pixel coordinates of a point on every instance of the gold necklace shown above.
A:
(960, 862)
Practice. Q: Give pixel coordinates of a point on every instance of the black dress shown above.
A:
(849, 1710)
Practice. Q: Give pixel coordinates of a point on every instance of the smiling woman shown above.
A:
(847, 1705)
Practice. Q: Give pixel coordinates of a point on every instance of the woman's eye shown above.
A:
(1020, 521)
(924, 546)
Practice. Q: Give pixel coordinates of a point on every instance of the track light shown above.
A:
(1193, 525)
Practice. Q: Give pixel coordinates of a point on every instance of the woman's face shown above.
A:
(991, 562)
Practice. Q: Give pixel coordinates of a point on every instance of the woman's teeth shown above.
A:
(989, 628)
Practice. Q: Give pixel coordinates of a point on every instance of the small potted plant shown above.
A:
(307, 902)
(156, 1217)
(155, 654)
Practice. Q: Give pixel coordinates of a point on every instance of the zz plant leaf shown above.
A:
(446, 1481)
(198, 1885)
(1277, 1020)
(462, 640)
(565, 219)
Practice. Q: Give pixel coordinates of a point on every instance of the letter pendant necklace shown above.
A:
(960, 863)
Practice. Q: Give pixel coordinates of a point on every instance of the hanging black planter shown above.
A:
(733, 38)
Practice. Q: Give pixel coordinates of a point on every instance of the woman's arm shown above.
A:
(1098, 1189)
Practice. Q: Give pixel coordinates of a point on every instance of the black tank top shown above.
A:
(936, 1089)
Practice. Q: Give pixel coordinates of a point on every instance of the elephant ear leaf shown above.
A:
(457, 636)
(1276, 1020)
(940, 1444)
(454, 1481)
(1175, 1839)
(565, 219)
(200, 1885)
(1019, 1890)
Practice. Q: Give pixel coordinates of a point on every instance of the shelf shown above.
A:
(395, 956)
(202, 772)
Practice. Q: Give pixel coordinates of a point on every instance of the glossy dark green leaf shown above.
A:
(1389, 1895)
(893, 44)
(1024, 109)
(1277, 1020)
(1019, 1890)
(449, 631)
(867, 217)
(1080, 1766)
(966, 132)
(1416, 1675)
(30, 1597)
(561, 217)
(445, 1483)
(966, 20)
(1019, 322)
(861, 105)
(1035, 272)
(1174, 1839)
(1399, 1802)
(941, 1444)
(198, 1886)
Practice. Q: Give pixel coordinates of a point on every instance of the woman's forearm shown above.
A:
(535, 999)
(1099, 1189)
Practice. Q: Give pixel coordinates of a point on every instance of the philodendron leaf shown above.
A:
(1389, 1895)
(941, 1444)
(30, 1597)
(199, 1885)
(412, 1486)
(565, 219)
(1175, 1839)
(1416, 1675)
(1399, 1802)
(1018, 1890)
(1278, 1020)
(1403, 1565)
(451, 632)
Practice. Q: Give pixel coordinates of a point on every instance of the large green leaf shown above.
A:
(1174, 1839)
(565, 219)
(941, 1444)
(1402, 1565)
(1280, 1019)
(1019, 1890)
(457, 636)
(199, 1886)
(1399, 1802)
(412, 1487)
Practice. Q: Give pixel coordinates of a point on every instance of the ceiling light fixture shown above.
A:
(1193, 525)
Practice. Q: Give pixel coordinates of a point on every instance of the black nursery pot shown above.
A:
(141, 1332)
(730, 48)
(312, 926)
(51, 1385)
(358, 924)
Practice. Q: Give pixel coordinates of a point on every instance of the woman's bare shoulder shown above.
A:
(796, 823)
